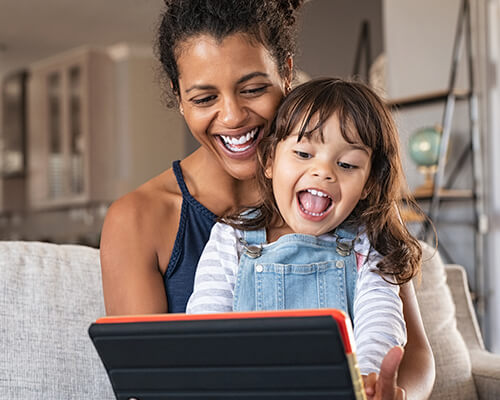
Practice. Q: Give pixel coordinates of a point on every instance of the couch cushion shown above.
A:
(49, 295)
(454, 379)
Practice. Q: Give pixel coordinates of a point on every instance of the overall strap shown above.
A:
(346, 235)
(256, 237)
(345, 231)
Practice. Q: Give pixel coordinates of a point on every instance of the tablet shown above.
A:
(293, 354)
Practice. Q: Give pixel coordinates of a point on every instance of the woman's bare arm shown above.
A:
(132, 279)
(417, 371)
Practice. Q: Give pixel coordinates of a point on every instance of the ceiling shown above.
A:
(31, 30)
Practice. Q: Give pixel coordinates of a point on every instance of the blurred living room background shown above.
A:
(82, 120)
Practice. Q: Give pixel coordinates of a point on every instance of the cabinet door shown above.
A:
(76, 131)
(57, 134)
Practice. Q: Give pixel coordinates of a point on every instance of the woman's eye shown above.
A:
(346, 165)
(303, 154)
(256, 90)
(204, 100)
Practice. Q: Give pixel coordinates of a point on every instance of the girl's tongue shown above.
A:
(312, 203)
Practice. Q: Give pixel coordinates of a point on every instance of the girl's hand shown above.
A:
(384, 386)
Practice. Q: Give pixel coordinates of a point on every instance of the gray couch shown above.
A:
(49, 295)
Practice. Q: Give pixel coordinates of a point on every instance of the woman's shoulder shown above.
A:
(158, 196)
(149, 214)
(145, 219)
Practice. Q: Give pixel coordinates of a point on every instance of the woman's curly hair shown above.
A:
(273, 23)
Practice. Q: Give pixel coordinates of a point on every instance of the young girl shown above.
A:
(327, 232)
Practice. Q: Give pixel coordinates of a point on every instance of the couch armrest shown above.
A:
(466, 316)
(486, 372)
(485, 365)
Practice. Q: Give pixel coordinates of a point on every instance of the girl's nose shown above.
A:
(324, 171)
(233, 114)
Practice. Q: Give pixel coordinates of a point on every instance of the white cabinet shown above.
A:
(70, 129)
(97, 127)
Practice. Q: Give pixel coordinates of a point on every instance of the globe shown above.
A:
(424, 147)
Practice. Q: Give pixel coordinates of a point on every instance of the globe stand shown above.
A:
(427, 188)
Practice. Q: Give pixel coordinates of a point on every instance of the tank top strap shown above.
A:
(195, 224)
(185, 192)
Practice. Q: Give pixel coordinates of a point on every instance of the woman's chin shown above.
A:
(242, 170)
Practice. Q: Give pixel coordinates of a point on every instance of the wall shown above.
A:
(147, 138)
(329, 35)
(150, 135)
(492, 11)
(419, 39)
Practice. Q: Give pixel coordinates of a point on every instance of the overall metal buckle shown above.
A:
(344, 247)
(251, 251)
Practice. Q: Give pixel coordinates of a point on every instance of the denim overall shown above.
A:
(296, 272)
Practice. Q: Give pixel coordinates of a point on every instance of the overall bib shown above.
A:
(296, 272)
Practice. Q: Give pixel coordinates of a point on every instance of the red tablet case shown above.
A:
(292, 354)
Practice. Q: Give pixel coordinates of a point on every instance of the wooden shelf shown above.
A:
(427, 98)
(449, 194)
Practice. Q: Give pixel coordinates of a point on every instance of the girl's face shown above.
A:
(317, 184)
(229, 91)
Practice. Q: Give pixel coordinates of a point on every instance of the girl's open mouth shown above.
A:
(314, 203)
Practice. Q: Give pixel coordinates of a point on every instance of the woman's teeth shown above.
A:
(237, 144)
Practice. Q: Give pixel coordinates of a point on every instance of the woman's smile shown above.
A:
(241, 145)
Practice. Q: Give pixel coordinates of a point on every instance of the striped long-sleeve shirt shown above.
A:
(378, 312)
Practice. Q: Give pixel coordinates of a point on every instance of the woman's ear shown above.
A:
(177, 95)
(289, 74)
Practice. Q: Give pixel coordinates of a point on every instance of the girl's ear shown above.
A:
(269, 170)
(366, 191)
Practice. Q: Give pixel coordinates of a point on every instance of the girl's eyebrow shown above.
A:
(355, 146)
(243, 79)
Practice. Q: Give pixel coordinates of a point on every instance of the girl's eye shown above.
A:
(344, 165)
(204, 100)
(303, 154)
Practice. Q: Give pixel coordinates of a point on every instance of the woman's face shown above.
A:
(229, 91)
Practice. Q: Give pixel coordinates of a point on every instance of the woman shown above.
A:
(229, 64)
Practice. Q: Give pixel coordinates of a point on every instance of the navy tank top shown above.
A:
(193, 233)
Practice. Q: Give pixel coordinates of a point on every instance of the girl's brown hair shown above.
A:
(360, 111)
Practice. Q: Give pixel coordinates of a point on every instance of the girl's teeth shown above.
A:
(317, 193)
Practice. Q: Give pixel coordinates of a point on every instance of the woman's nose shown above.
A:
(233, 114)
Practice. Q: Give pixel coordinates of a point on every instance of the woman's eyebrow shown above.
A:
(238, 82)
(251, 76)
(200, 87)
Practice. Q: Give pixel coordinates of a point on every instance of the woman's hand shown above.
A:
(384, 386)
